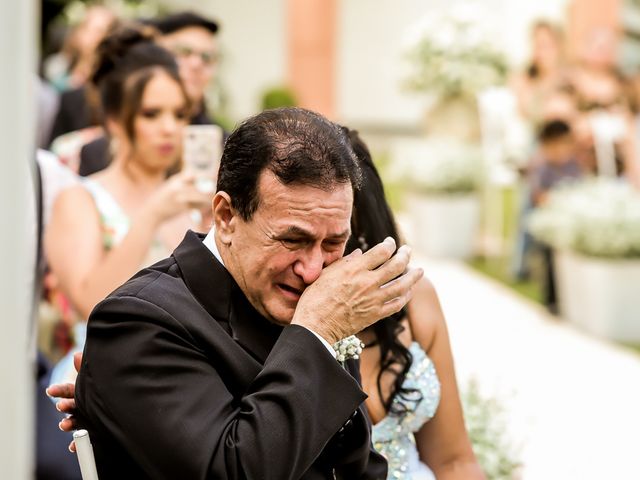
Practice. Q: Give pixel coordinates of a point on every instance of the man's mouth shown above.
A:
(289, 291)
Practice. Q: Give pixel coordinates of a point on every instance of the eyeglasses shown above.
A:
(184, 51)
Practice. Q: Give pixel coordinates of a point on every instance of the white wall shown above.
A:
(371, 40)
(372, 37)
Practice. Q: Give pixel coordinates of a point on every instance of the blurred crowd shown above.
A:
(584, 114)
(113, 104)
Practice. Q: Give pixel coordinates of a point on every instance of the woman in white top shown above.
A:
(133, 212)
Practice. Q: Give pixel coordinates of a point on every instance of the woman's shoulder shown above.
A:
(72, 194)
(424, 313)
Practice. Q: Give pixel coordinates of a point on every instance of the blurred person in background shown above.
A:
(72, 66)
(51, 460)
(130, 214)
(78, 110)
(193, 41)
(542, 93)
(556, 164)
(545, 73)
(604, 101)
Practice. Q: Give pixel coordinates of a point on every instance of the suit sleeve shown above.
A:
(148, 385)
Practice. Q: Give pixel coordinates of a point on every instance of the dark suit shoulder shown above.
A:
(157, 294)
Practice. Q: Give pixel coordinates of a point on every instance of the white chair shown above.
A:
(84, 450)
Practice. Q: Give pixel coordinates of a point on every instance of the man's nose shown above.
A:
(169, 123)
(194, 61)
(310, 263)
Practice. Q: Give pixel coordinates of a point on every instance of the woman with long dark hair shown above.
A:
(406, 366)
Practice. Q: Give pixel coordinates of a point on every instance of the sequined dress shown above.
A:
(393, 435)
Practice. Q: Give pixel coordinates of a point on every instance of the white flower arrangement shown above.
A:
(453, 55)
(439, 166)
(597, 217)
(349, 347)
(493, 444)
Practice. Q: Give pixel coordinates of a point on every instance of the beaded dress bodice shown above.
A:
(393, 435)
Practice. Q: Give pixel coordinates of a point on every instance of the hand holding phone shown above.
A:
(202, 150)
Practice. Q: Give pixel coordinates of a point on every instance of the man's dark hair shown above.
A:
(553, 130)
(178, 21)
(298, 146)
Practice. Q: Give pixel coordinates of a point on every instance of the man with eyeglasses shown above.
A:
(192, 39)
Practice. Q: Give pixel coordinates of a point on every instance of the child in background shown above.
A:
(556, 164)
(557, 161)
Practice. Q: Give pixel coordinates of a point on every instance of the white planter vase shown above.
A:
(444, 225)
(600, 296)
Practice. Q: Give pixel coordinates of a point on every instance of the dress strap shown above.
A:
(113, 220)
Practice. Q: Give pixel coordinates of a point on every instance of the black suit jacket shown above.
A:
(74, 113)
(182, 379)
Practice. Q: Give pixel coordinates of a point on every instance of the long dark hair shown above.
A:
(371, 222)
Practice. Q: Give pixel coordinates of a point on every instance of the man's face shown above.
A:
(196, 51)
(295, 232)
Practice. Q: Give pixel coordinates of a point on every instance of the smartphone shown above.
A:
(201, 153)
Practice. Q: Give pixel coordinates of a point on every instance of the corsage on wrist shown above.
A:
(349, 347)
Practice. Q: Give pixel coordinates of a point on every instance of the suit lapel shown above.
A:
(216, 290)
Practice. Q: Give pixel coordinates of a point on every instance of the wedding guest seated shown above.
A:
(406, 366)
(77, 109)
(541, 93)
(605, 101)
(545, 72)
(130, 214)
(557, 163)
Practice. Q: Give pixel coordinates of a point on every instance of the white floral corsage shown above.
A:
(350, 347)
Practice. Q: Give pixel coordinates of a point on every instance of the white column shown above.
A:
(18, 35)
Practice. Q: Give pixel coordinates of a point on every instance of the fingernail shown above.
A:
(47, 392)
(60, 425)
(390, 240)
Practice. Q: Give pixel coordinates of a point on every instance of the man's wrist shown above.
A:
(320, 330)
(323, 340)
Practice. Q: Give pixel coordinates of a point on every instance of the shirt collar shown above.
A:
(210, 242)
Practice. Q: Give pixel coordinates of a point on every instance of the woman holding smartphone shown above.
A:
(134, 212)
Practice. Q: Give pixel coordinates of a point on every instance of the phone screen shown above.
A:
(202, 150)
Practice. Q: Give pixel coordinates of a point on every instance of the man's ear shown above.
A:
(225, 217)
